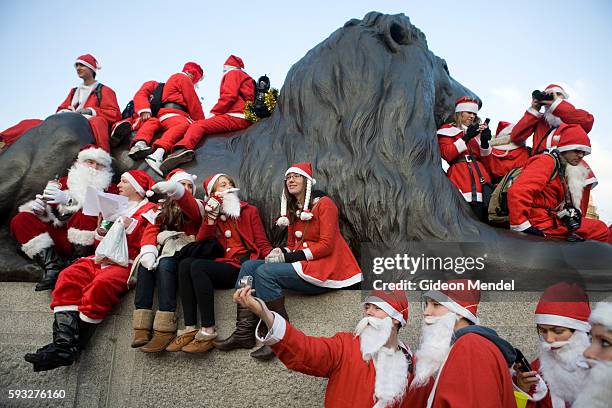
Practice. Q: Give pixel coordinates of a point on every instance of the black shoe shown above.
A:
(65, 347)
(51, 265)
(81, 251)
(119, 133)
(86, 332)
(140, 150)
(180, 156)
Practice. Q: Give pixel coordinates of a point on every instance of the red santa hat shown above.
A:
(458, 298)
(573, 137)
(602, 314)
(558, 89)
(209, 183)
(466, 104)
(92, 152)
(195, 70)
(179, 175)
(394, 303)
(89, 61)
(303, 169)
(565, 305)
(234, 62)
(140, 180)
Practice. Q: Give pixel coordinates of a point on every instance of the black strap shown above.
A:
(172, 105)
(473, 183)
(535, 150)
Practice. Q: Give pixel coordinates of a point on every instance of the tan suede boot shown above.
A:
(164, 331)
(142, 322)
(181, 340)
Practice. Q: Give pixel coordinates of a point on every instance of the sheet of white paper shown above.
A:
(110, 205)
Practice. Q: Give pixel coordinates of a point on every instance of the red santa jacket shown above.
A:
(532, 199)
(108, 108)
(505, 158)
(142, 98)
(533, 122)
(452, 149)
(237, 87)
(351, 379)
(248, 226)
(543, 401)
(180, 90)
(329, 260)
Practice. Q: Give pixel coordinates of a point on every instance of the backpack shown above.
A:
(97, 90)
(155, 101)
(262, 86)
(499, 212)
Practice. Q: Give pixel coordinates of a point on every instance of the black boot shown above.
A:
(86, 332)
(265, 352)
(244, 335)
(51, 265)
(65, 347)
(81, 251)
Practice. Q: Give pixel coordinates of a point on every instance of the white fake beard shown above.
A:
(597, 392)
(560, 368)
(231, 204)
(552, 120)
(436, 335)
(81, 176)
(391, 377)
(576, 177)
(373, 334)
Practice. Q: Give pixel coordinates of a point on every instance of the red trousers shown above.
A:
(92, 288)
(591, 229)
(173, 127)
(14, 132)
(211, 126)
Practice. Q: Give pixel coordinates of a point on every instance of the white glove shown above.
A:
(38, 206)
(168, 187)
(54, 195)
(275, 252)
(276, 258)
(148, 260)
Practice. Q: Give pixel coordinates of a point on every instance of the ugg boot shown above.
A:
(265, 352)
(182, 340)
(142, 322)
(51, 265)
(244, 334)
(164, 331)
(65, 347)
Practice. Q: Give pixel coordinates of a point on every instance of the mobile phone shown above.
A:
(522, 362)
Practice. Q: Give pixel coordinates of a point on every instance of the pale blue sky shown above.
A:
(501, 50)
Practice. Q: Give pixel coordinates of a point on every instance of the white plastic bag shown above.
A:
(113, 248)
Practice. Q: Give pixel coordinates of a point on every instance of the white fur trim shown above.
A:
(134, 183)
(37, 244)
(563, 321)
(66, 308)
(501, 140)
(485, 152)
(236, 115)
(306, 215)
(535, 113)
(602, 314)
(583, 148)
(308, 253)
(451, 305)
(276, 333)
(228, 234)
(81, 237)
(451, 131)
(151, 215)
(184, 176)
(88, 65)
(540, 392)
(300, 172)
(460, 145)
(282, 222)
(468, 197)
(298, 234)
(554, 105)
(149, 249)
(386, 307)
(96, 154)
(521, 227)
(143, 111)
(89, 319)
(334, 284)
(93, 112)
(212, 182)
(466, 107)
(591, 180)
(558, 89)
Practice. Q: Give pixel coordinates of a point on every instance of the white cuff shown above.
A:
(149, 249)
(485, 152)
(64, 110)
(521, 227)
(67, 308)
(554, 105)
(97, 236)
(308, 254)
(276, 333)
(143, 111)
(89, 319)
(540, 392)
(460, 145)
(93, 112)
(534, 112)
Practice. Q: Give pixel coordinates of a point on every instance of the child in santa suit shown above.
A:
(53, 225)
(540, 206)
(96, 102)
(157, 264)
(86, 290)
(237, 88)
(505, 155)
(463, 148)
(237, 228)
(316, 258)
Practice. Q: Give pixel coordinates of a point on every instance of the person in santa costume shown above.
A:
(316, 258)
(597, 393)
(463, 147)
(87, 290)
(180, 107)
(562, 321)
(157, 265)
(53, 226)
(367, 368)
(459, 363)
(237, 88)
(233, 224)
(545, 200)
(96, 102)
(505, 155)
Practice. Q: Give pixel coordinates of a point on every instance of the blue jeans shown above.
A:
(269, 280)
(165, 278)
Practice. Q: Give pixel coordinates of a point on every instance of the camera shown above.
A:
(570, 217)
(246, 281)
(541, 96)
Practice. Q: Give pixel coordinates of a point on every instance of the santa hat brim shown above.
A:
(602, 314)
(96, 154)
(466, 107)
(301, 173)
(387, 308)
(582, 148)
(451, 305)
(88, 65)
(134, 184)
(563, 321)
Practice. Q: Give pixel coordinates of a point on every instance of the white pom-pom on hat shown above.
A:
(228, 234)
(298, 234)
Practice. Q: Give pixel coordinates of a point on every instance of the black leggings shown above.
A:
(198, 278)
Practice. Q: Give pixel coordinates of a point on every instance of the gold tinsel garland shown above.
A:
(269, 100)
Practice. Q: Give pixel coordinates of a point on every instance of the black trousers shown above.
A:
(198, 279)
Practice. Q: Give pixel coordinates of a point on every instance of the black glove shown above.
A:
(485, 136)
(470, 133)
(534, 231)
(295, 256)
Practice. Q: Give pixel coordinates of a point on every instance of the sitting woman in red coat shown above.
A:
(463, 147)
(315, 260)
(237, 228)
